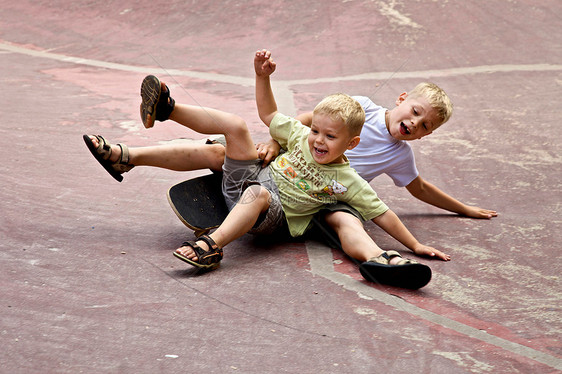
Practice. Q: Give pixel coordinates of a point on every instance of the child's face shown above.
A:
(329, 139)
(413, 118)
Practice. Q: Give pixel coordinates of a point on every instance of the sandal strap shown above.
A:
(385, 257)
(123, 166)
(212, 256)
(403, 261)
(198, 250)
(164, 107)
(210, 242)
(389, 255)
(104, 148)
(406, 261)
(214, 249)
(124, 159)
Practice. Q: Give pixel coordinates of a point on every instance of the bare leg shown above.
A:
(240, 145)
(355, 241)
(254, 201)
(186, 157)
(177, 157)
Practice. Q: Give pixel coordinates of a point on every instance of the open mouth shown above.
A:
(320, 152)
(404, 129)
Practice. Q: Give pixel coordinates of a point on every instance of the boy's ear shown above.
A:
(401, 98)
(353, 142)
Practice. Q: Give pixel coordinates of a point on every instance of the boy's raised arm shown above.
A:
(265, 101)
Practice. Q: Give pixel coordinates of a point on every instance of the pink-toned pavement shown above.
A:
(88, 283)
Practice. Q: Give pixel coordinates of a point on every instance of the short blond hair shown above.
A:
(345, 108)
(437, 99)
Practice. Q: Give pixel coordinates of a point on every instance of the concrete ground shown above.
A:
(88, 281)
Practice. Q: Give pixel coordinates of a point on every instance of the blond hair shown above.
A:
(343, 107)
(437, 99)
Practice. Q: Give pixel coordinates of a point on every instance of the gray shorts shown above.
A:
(237, 177)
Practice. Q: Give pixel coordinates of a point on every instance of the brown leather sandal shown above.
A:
(209, 260)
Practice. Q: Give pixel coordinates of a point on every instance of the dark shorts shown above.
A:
(321, 231)
(340, 207)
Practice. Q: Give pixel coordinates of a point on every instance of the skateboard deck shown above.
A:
(199, 202)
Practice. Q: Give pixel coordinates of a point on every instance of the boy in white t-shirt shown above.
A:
(384, 148)
(311, 174)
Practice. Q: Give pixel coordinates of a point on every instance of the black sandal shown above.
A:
(102, 153)
(405, 274)
(156, 101)
(209, 260)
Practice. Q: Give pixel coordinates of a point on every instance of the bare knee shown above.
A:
(341, 220)
(257, 195)
(236, 124)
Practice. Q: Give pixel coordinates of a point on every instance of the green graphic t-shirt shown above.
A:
(305, 186)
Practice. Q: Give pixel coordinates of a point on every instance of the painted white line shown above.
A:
(244, 81)
(123, 67)
(482, 69)
(321, 264)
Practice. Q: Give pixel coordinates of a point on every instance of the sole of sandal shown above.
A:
(410, 276)
(196, 264)
(151, 89)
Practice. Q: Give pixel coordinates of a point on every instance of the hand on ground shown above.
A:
(424, 250)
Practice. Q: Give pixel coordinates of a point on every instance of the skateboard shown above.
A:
(199, 202)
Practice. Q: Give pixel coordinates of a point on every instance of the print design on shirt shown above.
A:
(297, 161)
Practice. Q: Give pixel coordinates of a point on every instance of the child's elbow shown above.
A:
(267, 118)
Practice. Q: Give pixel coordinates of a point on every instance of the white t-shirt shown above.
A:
(379, 153)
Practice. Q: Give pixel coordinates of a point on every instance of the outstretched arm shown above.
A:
(264, 66)
(430, 194)
(389, 222)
